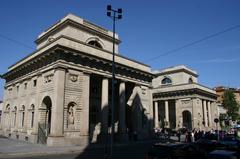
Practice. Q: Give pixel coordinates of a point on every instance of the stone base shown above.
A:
(103, 138)
(122, 137)
(82, 140)
(55, 141)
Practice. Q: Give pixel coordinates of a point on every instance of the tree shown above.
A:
(230, 104)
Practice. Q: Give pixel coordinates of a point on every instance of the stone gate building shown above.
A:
(179, 101)
(59, 94)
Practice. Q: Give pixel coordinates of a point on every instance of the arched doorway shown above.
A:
(44, 126)
(187, 119)
(47, 104)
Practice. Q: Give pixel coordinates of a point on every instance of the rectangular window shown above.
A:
(32, 119)
(23, 113)
(10, 91)
(25, 85)
(15, 116)
(34, 83)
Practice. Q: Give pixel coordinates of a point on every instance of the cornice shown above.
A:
(61, 54)
(184, 92)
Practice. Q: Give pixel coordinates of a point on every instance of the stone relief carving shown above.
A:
(48, 78)
(73, 77)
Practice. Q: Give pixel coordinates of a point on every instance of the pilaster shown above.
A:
(84, 115)
(57, 107)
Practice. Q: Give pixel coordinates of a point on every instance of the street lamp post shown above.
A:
(114, 15)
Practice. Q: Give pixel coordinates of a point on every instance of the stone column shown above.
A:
(122, 133)
(209, 114)
(166, 113)
(139, 108)
(84, 115)
(122, 109)
(178, 115)
(205, 112)
(156, 120)
(214, 114)
(104, 106)
(56, 130)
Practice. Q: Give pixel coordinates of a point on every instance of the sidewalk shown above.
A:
(11, 148)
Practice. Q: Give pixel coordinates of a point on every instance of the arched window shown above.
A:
(15, 116)
(166, 81)
(95, 44)
(22, 115)
(190, 80)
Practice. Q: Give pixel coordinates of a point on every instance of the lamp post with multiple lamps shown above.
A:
(114, 15)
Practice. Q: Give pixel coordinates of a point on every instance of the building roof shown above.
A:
(222, 89)
(79, 21)
(174, 69)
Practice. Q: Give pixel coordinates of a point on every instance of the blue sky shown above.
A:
(149, 28)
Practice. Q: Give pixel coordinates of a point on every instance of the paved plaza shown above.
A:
(16, 149)
(13, 148)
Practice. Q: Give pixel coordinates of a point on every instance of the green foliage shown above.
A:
(230, 103)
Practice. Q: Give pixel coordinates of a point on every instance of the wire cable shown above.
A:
(194, 42)
(16, 42)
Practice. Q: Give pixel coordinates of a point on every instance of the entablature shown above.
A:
(78, 60)
(190, 93)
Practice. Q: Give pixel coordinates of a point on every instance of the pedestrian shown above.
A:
(179, 135)
(188, 137)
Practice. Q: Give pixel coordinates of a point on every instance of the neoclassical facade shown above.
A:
(61, 93)
(179, 101)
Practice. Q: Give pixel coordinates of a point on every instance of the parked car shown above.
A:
(175, 151)
(223, 154)
(230, 142)
(208, 145)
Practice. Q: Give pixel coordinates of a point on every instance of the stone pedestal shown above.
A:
(121, 137)
(103, 138)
